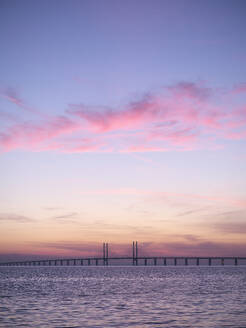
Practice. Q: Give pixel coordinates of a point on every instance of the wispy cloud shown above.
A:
(15, 218)
(235, 227)
(239, 88)
(52, 208)
(182, 117)
(86, 249)
(66, 216)
(36, 136)
(196, 248)
(192, 211)
(166, 195)
(12, 96)
(191, 245)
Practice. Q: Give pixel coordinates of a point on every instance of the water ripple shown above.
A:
(123, 297)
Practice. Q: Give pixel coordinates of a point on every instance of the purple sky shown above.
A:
(121, 121)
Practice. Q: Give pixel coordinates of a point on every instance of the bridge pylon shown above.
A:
(134, 253)
(105, 253)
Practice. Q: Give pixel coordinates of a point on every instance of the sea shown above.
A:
(123, 296)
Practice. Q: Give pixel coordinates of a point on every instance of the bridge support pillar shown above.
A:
(210, 261)
(197, 261)
(186, 261)
(81, 262)
(145, 261)
(235, 261)
(164, 261)
(175, 261)
(155, 261)
(222, 261)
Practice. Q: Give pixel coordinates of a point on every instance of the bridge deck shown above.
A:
(157, 260)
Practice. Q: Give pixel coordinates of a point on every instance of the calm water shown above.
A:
(123, 297)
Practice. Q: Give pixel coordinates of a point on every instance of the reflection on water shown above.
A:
(123, 297)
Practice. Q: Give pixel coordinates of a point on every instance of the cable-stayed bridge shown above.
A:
(134, 260)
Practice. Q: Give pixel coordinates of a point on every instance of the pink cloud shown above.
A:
(191, 90)
(166, 195)
(104, 120)
(179, 118)
(33, 136)
(179, 137)
(240, 88)
(184, 103)
(143, 149)
(12, 96)
(236, 135)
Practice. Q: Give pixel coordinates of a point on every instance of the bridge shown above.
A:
(134, 260)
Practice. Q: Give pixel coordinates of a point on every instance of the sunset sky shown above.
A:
(121, 121)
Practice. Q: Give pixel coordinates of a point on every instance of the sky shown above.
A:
(121, 121)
